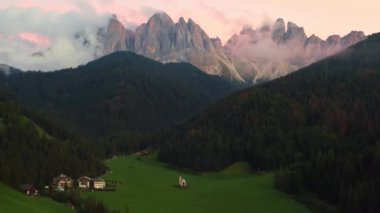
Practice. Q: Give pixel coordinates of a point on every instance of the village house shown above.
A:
(99, 183)
(84, 182)
(62, 182)
(29, 189)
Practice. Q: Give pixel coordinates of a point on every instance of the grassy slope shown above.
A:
(39, 129)
(13, 201)
(149, 187)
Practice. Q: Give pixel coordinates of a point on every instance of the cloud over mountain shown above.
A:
(274, 50)
(34, 39)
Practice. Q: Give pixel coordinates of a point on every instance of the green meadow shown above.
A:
(149, 186)
(14, 201)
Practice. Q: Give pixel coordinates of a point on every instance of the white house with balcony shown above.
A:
(99, 183)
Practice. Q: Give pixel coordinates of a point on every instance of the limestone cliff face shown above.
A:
(115, 37)
(163, 40)
(254, 55)
(278, 30)
(273, 51)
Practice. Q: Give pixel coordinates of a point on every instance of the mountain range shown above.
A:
(255, 55)
(275, 50)
(163, 40)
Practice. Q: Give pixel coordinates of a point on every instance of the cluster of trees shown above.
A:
(320, 125)
(33, 154)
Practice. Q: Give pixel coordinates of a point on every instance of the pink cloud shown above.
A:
(40, 40)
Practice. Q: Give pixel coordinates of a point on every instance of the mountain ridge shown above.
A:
(275, 50)
(242, 58)
(163, 40)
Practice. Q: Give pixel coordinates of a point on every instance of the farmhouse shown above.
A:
(99, 183)
(84, 182)
(29, 189)
(62, 181)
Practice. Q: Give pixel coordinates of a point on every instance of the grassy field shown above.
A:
(149, 186)
(13, 201)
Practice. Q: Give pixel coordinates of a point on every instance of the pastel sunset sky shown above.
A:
(223, 18)
(36, 24)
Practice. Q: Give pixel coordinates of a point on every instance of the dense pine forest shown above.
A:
(121, 98)
(320, 126)
(34, 149)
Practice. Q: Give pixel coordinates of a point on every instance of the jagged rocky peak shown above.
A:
(191, 24)
(294, 33)
(181, 21)
(114, 25)
(231, 45)
(113, 19)
(279, 24)
(278, 30)
(217, 42)
(154, 39)
(200, 39)
(246, 52)
(292, 26)
(163, 40)
(333, 40)
(194, 27)
(313, 49)
(160, 19)
(190, 21)
(314, 40)
(352, 37)
(115, 38)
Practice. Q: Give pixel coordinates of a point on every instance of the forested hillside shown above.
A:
(321, 125)
(120, 93)
(33, 149)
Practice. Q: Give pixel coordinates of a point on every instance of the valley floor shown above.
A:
(149, 186)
